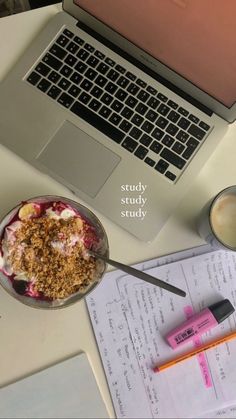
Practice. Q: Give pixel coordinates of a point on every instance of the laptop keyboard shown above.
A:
(118, 103)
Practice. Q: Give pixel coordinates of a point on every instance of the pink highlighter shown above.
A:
(200, 323)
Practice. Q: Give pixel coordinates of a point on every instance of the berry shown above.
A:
(20, 286)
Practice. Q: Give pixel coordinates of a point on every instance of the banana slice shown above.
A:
(29, 211)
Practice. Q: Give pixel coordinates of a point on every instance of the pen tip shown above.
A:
(155, 369)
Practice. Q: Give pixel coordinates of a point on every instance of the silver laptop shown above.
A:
(124, 101)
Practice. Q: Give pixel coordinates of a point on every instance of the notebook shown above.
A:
(65, 390)
(113, 96)
(130, 319)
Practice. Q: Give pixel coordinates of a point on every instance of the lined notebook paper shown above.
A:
(130, 319)
(65, 390)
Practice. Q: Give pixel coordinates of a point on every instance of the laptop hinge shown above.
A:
(144, 68)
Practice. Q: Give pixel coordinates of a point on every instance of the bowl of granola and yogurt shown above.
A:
(44, 252)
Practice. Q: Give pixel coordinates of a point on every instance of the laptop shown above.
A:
(124, 101)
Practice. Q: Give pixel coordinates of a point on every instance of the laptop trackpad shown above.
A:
(79, 159)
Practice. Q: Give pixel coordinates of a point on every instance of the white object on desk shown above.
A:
(130, 319)
(65, 390)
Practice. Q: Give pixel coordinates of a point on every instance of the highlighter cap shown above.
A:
(221, 310)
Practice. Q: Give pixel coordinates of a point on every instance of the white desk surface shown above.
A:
(31, 339)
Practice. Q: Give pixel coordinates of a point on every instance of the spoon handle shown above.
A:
(141, 275)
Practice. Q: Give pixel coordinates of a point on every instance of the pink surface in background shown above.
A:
(196, 38)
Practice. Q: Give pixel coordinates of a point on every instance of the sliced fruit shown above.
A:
(29, 211)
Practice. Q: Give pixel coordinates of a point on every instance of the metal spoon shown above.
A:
(139, 274)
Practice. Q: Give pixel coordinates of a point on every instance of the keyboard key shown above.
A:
(129, 144)
(58, 51)
(137, 119)
(81, 67)
(149, 161)
(151, 90)
(172, 129)
(117, 105)
(141, 83)
(96, 91)
(92, 61)
(162, 97)
(78, 40)
(133, 89)
(64, 83)
(131, 101)
(161, 166)
(153, 102)
(173, 116)
(141, 152)
(151, 115)
(121, 94)
(105, 112)
(145, 140)
(141, 108)
(43, 85)
(89, 48)
(115, 118)
(33, 78)
(123, 82)
(173, 158)
(42, 69)
(135, 133)
(99, 54)
(161, 122)
(196, 132)
(90, 74)
(74, 90)
(97, 122)
(170, 175)
(110, 61)
(178, 147)
(72, 47)
(82, 54)
(66, 71)
(113, 75)
(120, 69)
(102, 68)
(86, 85)
(100, 81)
(127, 112)
(65, 100)
(157, 133)
(172, 104)
(183, 111)
(76, 77)
(130, 76)
(70, 60)
(106, 98)
(192, 144)
(168, 140)
(84, 98)
(111, 87)
(147, 126)
(156, 147)
(194, 119)
(94, 105)
(54, 92)
(68, 33)
(183, 123)
(163, 109)
(52, 61)
(204, 126)
(143, 95)
(62, 40)
(182, 136)
(125, 125)
(54, 76)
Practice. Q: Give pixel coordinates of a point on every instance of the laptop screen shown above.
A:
(194, 38)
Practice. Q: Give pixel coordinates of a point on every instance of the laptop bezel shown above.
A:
(229, 114)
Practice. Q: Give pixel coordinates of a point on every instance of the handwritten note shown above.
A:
(130, 319)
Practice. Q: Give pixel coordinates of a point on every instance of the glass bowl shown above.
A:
(102, 247)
